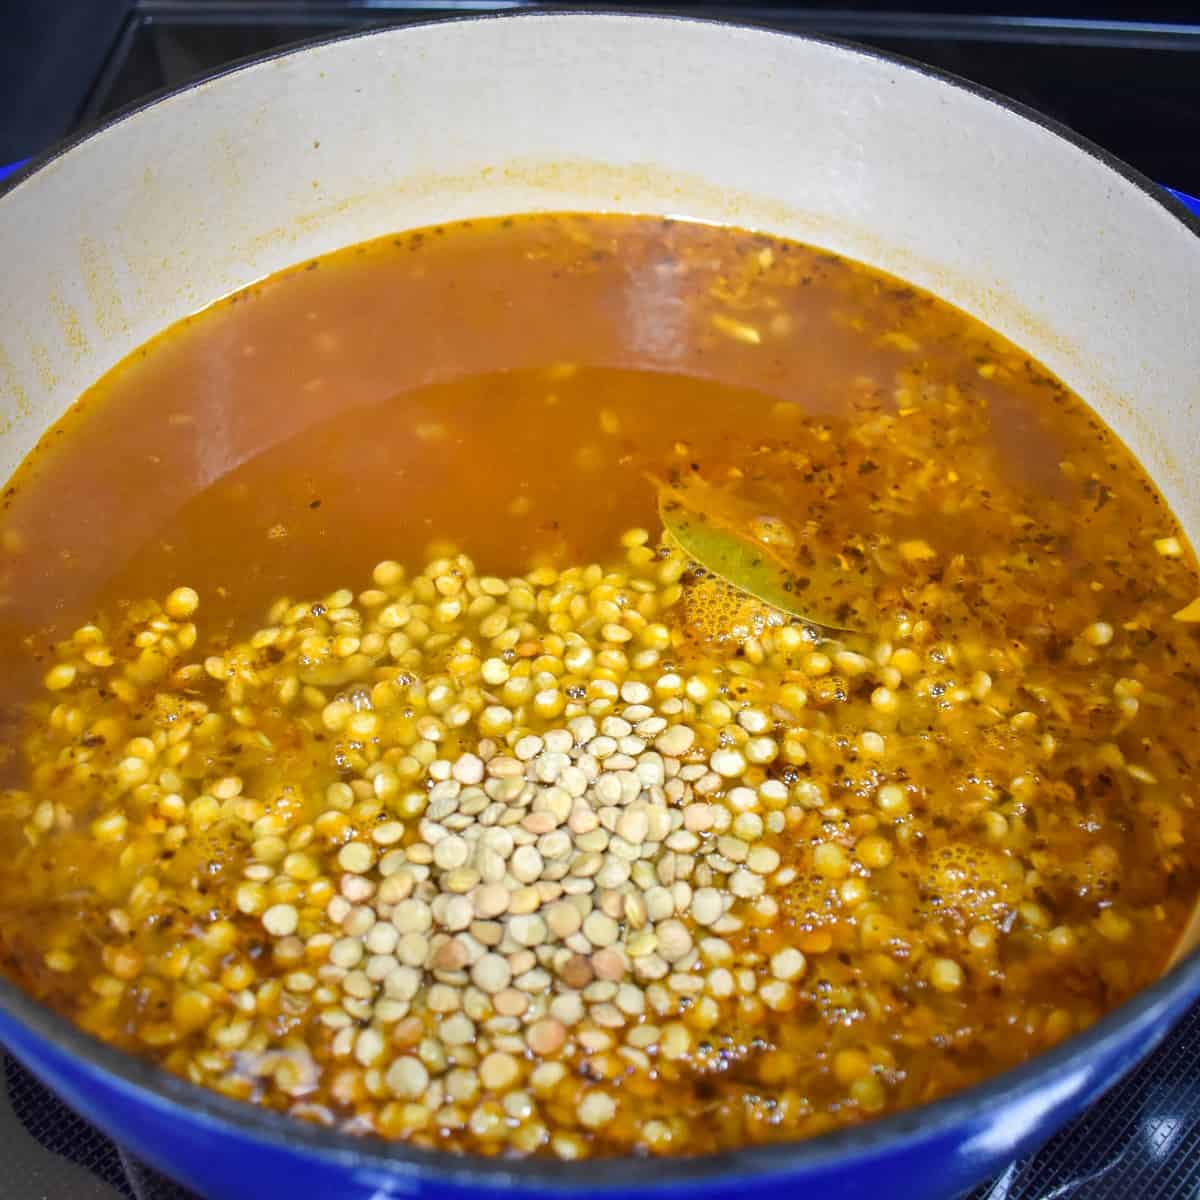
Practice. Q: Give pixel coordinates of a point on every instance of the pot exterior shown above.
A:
(223, 183)
(934, 1161)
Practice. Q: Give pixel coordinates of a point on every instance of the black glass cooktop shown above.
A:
(1125, 75)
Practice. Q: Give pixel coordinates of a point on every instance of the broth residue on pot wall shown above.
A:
(374, 753)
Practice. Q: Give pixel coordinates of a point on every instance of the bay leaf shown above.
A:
(712, 527)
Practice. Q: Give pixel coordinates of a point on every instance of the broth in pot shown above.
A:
(578, 685)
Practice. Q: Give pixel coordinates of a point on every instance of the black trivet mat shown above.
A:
(1142, 1140)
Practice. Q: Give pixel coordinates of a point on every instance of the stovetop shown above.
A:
(1125, 75)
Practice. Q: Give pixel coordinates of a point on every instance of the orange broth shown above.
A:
(411, 487)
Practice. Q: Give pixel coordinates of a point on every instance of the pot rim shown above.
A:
(873, 1138)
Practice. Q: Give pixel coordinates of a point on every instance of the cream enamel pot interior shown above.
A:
(1071, 255)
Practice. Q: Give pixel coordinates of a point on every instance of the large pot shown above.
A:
(1065, 251)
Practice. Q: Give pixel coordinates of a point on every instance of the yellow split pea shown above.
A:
(489, 912)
